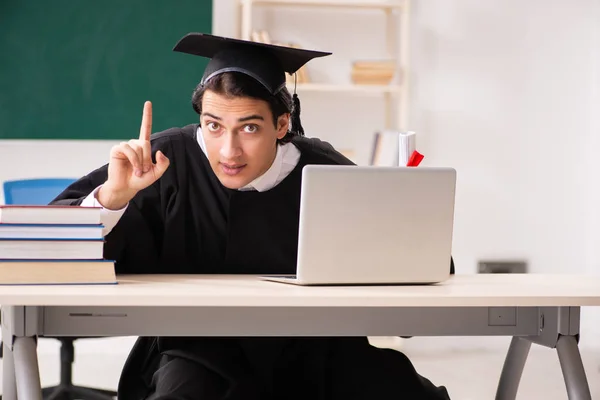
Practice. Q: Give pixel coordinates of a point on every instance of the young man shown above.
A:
(223, 196)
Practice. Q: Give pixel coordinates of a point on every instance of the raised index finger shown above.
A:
(146, 128)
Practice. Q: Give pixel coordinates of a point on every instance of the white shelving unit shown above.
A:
(397, 13)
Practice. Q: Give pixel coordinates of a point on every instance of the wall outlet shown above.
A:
(502, 267)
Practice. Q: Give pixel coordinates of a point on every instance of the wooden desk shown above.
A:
(540, 309)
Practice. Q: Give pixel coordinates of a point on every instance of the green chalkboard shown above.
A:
(82, 69)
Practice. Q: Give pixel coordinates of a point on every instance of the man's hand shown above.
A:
(130, 168)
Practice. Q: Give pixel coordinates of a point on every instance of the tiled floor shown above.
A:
(468, 373)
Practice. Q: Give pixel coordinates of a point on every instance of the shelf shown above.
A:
(323, 87)
(375, 4)
(397, 41)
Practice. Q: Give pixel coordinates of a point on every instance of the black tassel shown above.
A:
(296, 124)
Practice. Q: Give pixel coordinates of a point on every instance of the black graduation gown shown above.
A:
(188, 223)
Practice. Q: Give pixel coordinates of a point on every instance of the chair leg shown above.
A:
(67, 357)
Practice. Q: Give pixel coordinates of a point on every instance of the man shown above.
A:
(223, 196)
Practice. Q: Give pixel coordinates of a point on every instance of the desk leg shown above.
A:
(27, 372)
(513, 369)
(572, 368)
(9, 384)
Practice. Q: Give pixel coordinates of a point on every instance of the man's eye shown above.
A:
(250, 128)
(213, 126)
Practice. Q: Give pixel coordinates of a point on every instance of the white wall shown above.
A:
(506, 92)
(21, 159)
(501, 91)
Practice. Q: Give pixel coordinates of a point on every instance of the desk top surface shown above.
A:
(250, 291)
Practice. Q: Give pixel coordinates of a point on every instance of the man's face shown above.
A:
(241, 140)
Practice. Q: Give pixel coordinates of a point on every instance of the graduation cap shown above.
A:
(265, 63)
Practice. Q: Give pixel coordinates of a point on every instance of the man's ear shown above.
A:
(283, 125)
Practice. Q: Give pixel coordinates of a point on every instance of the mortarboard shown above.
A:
(264, 62)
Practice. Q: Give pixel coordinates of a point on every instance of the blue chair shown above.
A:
(34, 191)
(42, 192)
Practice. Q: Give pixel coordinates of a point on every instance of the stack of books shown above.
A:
(373, 72)
(52, 245)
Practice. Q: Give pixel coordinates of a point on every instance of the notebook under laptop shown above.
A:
(374, 225)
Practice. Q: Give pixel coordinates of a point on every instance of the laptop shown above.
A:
(368, 225)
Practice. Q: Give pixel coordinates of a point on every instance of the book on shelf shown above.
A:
(56, 272)
(374, 65)
(51, 214)
(261, 37)
(393, 148)
(373, 72)
(385, 149)
(407, 145)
